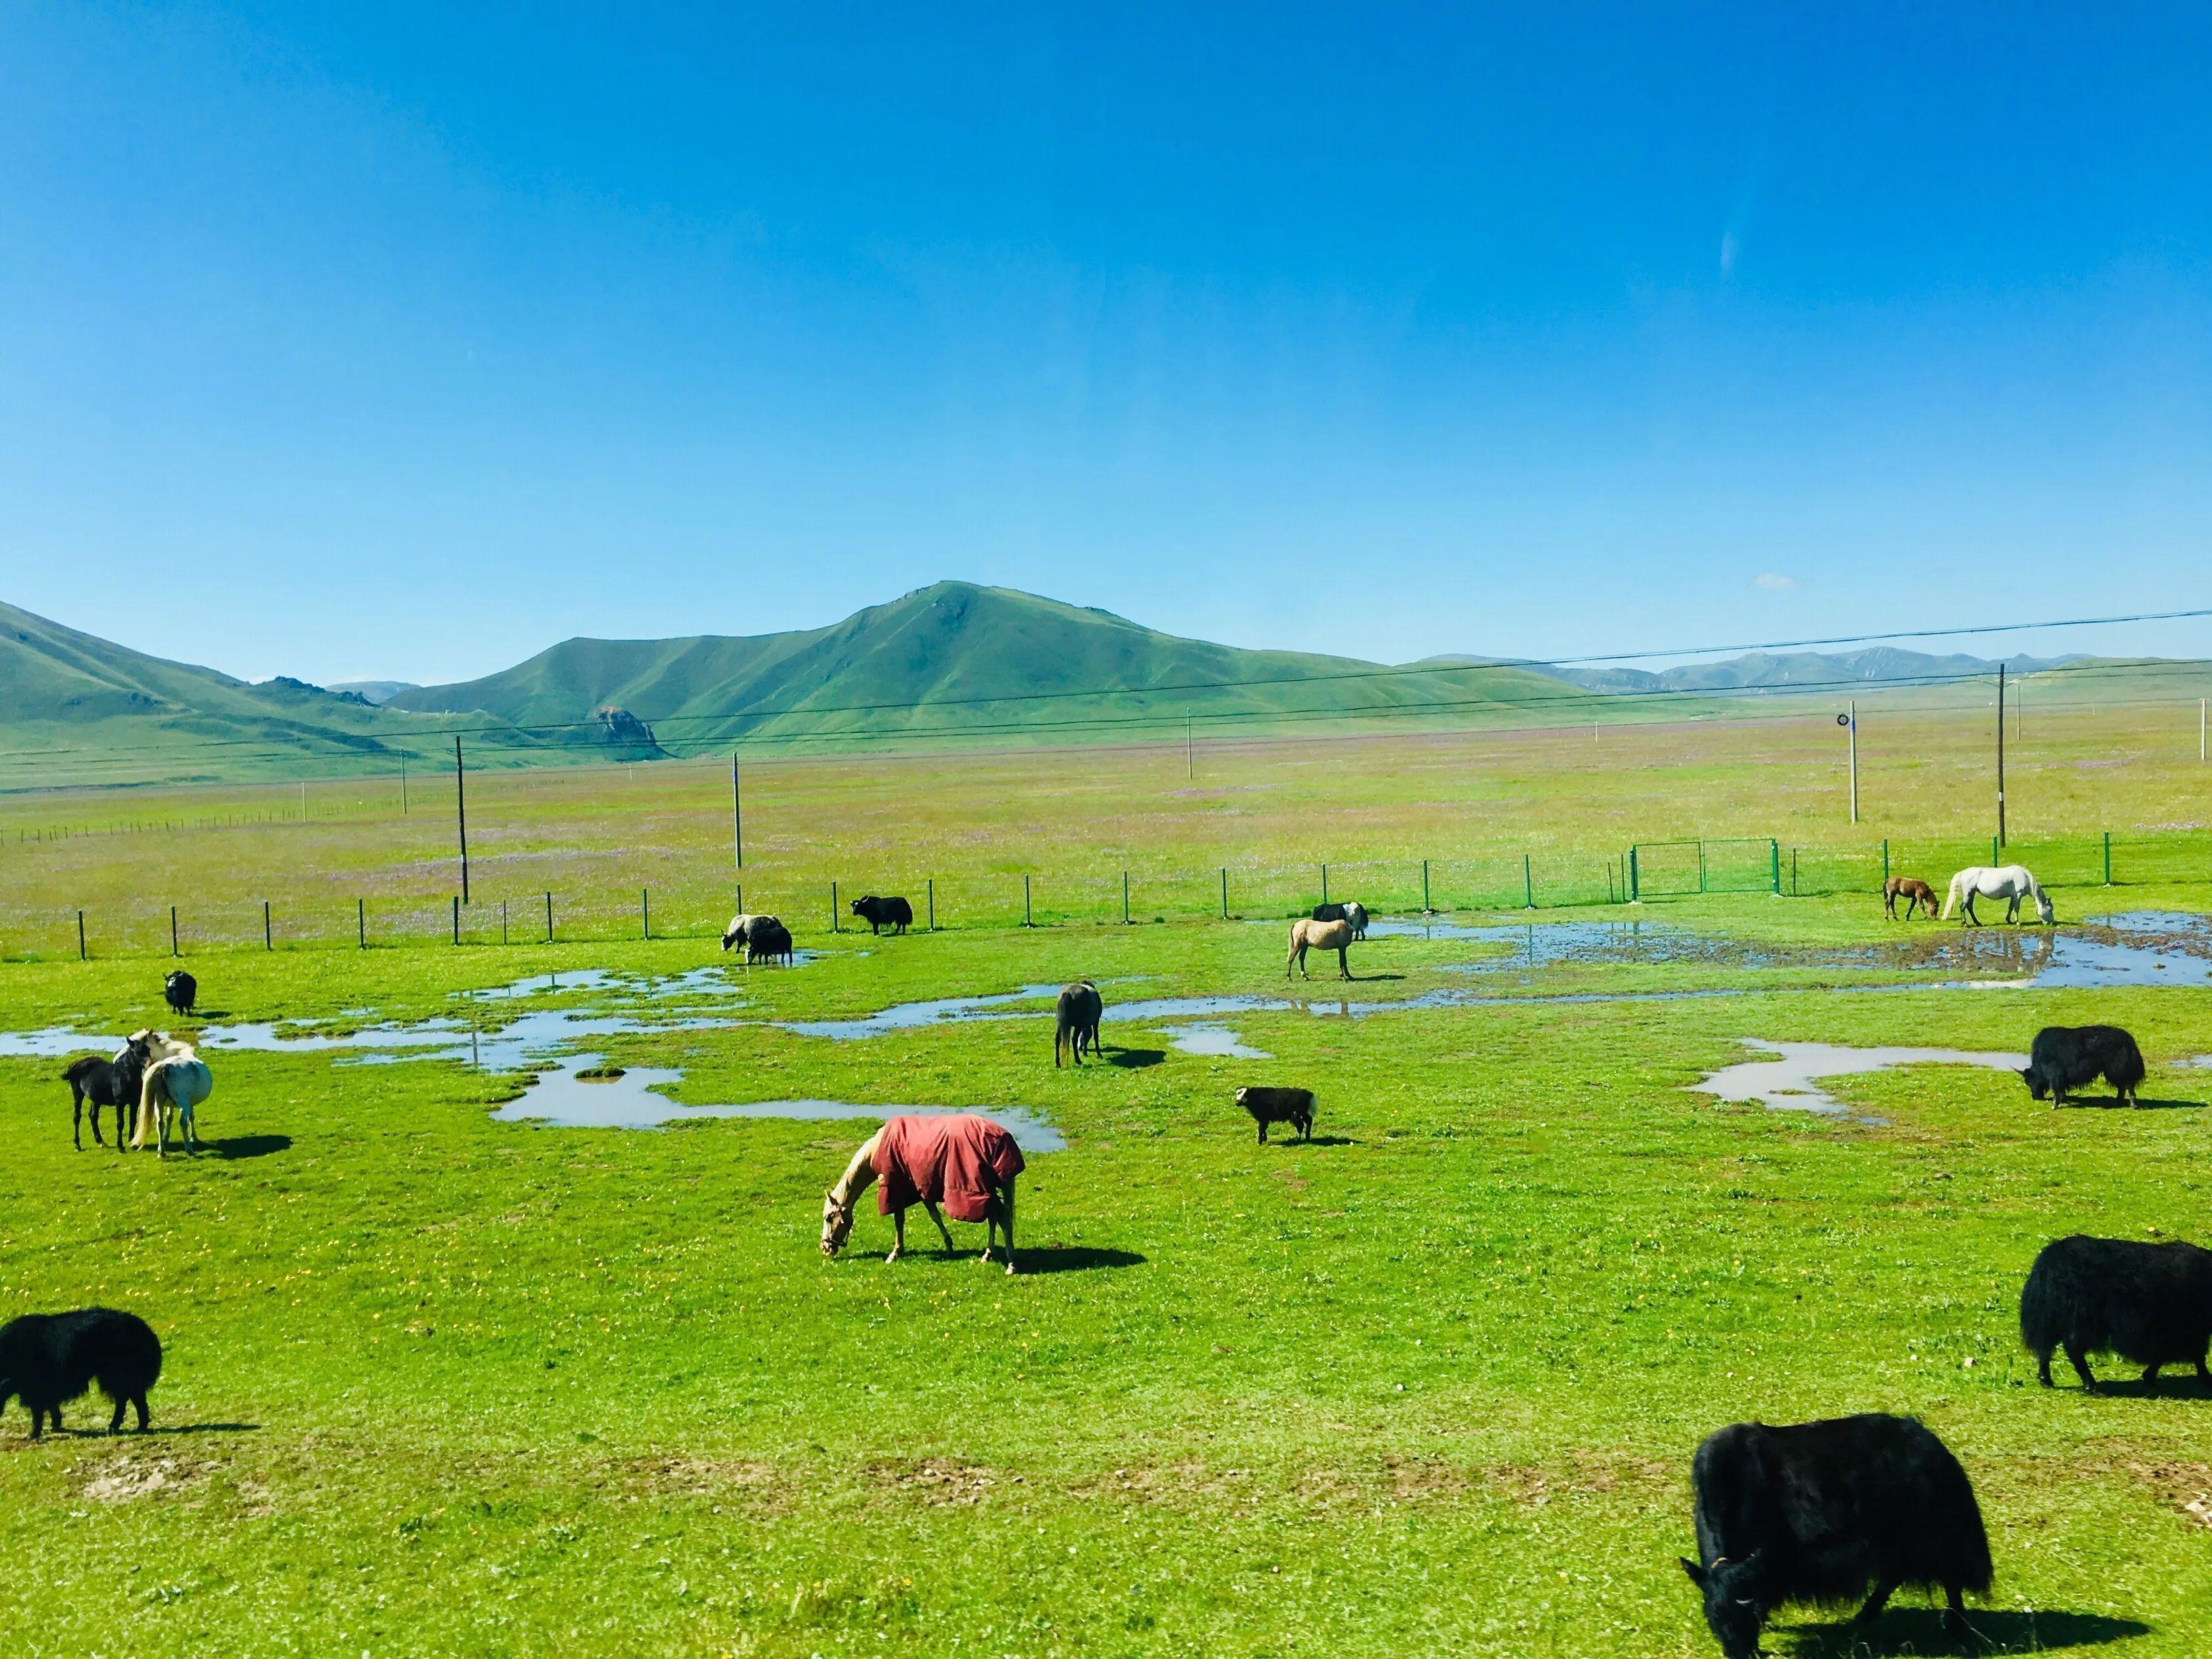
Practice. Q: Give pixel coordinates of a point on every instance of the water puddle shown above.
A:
(1216, 1042)
(561, 1099)
(1788, 1079)
(910, 1016)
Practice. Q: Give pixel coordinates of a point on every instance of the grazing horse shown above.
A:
(2009, 882)
(105, 1082)
(1322, 935)
(176, 1080)
(1076, 1020)
(1912, 891)
(961, 1159)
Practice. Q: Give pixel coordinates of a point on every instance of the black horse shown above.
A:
(105, 1083)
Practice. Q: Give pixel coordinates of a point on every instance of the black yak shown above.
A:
(2066, 1056)
(1076, 1020)
(769, 940)
(1292, 1106)
(881, 913)
(180, 990)
(99, 1083)
(2149, 1304)
(48, 1358)
(1825, 1512)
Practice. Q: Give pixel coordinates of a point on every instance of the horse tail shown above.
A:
(145, 1126)
(1950, 900)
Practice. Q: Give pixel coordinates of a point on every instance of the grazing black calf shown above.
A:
(47, 1358)
(105, 1083)
(767, 940)
(1292, 1106)
(1820, 1512)
(181, 991)
(2149, 1304)
(1076, 1020)
(2066, 1056)
(881, 913)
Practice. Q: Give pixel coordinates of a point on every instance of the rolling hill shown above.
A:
(954, 657)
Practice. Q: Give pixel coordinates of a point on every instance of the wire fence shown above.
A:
(698, 908)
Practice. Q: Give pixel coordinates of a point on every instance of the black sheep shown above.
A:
(1292, 1106)
(48, 1358)
(1822, 1512)
(2149, 1304)
(2066, 1056)
(180, 990)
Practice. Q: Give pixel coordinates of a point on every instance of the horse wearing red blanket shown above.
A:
(965, 1162)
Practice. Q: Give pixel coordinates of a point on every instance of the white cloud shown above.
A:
(1773, 582)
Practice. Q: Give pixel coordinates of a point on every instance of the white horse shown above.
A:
(176, 1080)
(2009, 882)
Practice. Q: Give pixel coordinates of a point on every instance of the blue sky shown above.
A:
(345, 341)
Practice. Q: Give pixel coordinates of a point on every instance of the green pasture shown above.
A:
(439, 1383)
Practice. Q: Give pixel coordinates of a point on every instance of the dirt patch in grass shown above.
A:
(699, 1477)
(941, 1482)
(2186, 1486)
(130, 1477)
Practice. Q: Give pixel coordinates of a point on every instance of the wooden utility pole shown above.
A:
(461, 816)
(2001, 700)
(737, 813)
(1853, 718)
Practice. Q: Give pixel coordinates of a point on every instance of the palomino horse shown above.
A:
(1307, 935)
(2009, 882)
(1912, 891)
(963, 1160)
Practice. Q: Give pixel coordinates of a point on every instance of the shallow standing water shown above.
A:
(1787, 1081)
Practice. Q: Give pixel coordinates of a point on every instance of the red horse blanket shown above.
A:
(952, 1161)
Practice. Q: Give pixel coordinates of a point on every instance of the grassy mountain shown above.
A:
(378, 692)
(76, 709)
(975, 660)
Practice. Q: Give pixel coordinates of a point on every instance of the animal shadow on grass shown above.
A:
(2113, 1102)
(2171, 1385)
(1318, 1141)
(247, 1146)
(1073, 1259)
(1912, 1630)
(1130, 1058)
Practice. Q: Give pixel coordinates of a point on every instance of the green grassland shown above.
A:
(1472, 804)
(437, 1384)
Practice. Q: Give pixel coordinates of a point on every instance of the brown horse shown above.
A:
(1912, 891)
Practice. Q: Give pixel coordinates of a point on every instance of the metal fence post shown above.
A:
(1125, 899)
(1527, 884)
(80, 936)
(1885, 860)
(1426, 909)
(1701, 866)
(2108, 858)
(268, 932)
(833, 907)
(645, 909)
(360, 922)
(932, 904)
(1026, 920)
(1774, 861)
(457, 917)
(548, 918)
(502, 921)
(1324, 883)
(173, 930)
(1993, 849)
(1224, 892)
(1793, 872)
(1635, 882)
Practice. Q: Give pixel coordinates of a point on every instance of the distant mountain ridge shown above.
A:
(1769, 671)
